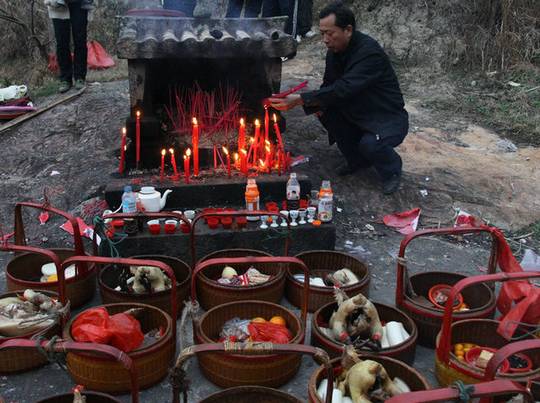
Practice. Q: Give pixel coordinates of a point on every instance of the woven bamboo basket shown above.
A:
(99, 350)
(151, 362)
(483, 332)
(404, 351)
(210, 293)
(393, 367)
(233, 370)
(487, 391)
(480, 298)
(237, 252)
(20, 360)
(108, 279)
(24, 270)
(321, 263)
(244, 394)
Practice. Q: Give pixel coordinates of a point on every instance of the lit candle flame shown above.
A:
(274, 117)
(267, 148)
(252, 139)
(235, 157)
(257, 123)
(242, 122)
(243, 151)
(261, 162)
(163, 152)
(225, 150)
(194, 120)
(267, 142)
(188, 152)
(124, 131)
(171, 150)
(138, 113)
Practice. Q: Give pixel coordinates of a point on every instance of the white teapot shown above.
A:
(151, 200)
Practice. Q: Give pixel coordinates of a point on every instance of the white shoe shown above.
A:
(310, 34)
(284, 59)
(298, 39)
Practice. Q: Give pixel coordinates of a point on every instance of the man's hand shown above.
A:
(287, 103)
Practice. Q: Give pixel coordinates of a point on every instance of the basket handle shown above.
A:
(69, 346)
(252, 259)
(443, 348)
(20, 237)
(178, 375)
(464, 230)
(134, 262)
(505, 352)
(140, 215)
(238, 213)
(486, 389)
(50, 255)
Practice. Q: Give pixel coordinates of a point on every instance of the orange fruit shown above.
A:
(258, 320)
(278, 320)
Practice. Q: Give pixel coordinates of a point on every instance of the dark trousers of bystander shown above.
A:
(253, 8)
(63, 29)
(274, 8)
(305, 16)
(363, 149)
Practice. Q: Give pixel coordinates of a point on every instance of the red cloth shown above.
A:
(268, 331)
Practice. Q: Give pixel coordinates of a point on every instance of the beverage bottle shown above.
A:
(129, 200)
(326, 202)
(252, 198)
(293, 193)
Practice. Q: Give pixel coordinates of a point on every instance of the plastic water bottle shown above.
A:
(129, 200)
(326, 202)
(293, 193)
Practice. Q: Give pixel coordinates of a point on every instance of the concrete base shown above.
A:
(303, 237)
(206, 190)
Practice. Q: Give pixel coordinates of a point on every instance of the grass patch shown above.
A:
(493, 100)
(49, 87)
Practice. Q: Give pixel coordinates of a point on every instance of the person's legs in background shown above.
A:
(234, 9)
(275, 8)
(62, 33)
(253, 8)
(79, 23)
(305, 18)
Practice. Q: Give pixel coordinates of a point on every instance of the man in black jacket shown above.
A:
(359, 103)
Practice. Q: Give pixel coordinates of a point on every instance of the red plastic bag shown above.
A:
(98, 58)
(405, 222)
(95, 325)
(267, 331)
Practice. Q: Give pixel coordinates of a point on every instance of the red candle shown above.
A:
(162, 171)
(228, 161)
(215, 158)
(236, 161)
(173, 162)
(279, 161)
(195, 145)
(187, 157)
(281, 150)
(268, 150)
(138, 138)
(257, 140)
(122, 151)
(266, 124)
(243, 161)
(250, 151)
(242, 135)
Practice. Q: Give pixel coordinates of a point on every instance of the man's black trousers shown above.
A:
(63, 29)
(363, 149)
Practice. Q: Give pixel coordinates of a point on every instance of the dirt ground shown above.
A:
(458, 164)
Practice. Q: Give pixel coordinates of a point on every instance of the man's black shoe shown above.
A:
(347, 169)
(391, 185)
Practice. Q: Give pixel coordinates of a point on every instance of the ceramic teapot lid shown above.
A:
(147, 190)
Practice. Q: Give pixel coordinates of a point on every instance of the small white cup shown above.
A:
(189, 214)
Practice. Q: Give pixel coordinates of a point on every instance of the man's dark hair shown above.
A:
(344, 15)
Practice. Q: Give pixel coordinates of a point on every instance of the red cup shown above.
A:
(184, 227)
(208, 210)
(117, 223)
(241, 221)
(154, 229)
(213, 222)
(226, 222)
(170, 226)
(270, 206)
(304, 203)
